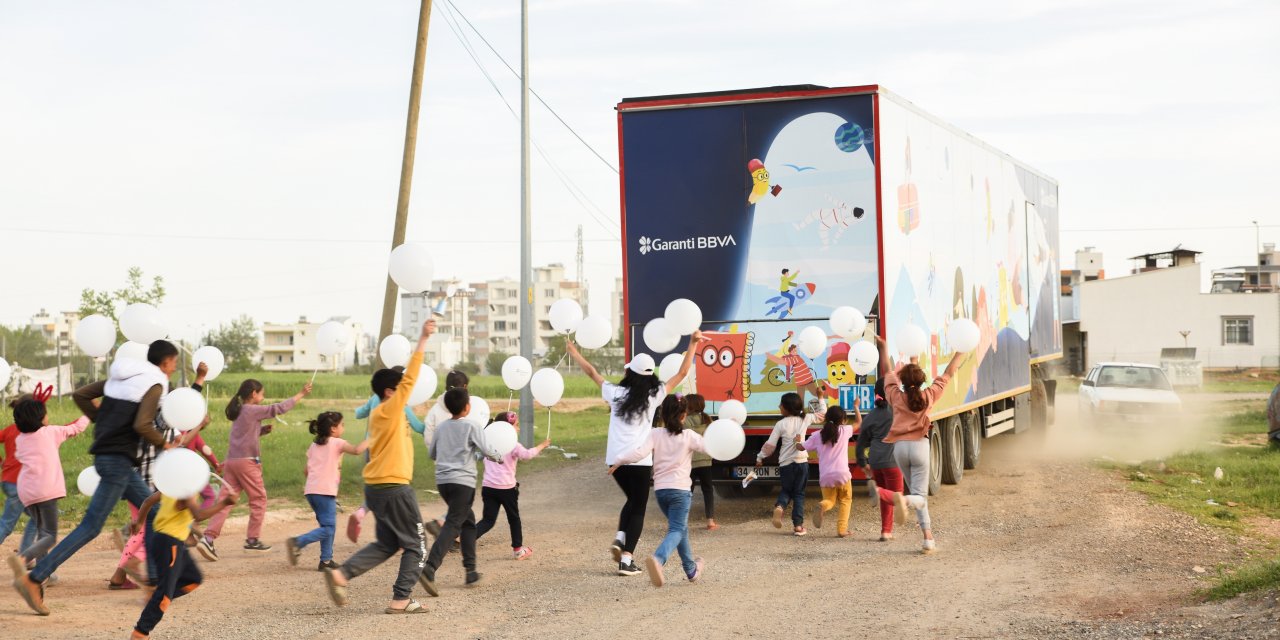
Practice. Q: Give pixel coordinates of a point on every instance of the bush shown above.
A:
(469, 368)
(493, 363)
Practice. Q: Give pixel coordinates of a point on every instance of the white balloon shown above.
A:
(848, 322)
(95, 335)
(565, 314)
(912, 340)
(501, 437)
(183, 409)
(670, 366)
(395, 351)
(479, 413)
(87, 481)
(724, 439)
(180, 473)
(812, 342)
(963, 335)
(516, 372)
(411, 267)
(142, 323)
(332, 338)
(660, 336)
(212, 358)
(593, 332)
(864, 357)
(733, 410)
(5, 373)
(425, 386)
(684, 315)
(547, 386)
(132, 351)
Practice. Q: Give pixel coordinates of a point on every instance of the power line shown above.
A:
(586, 144)
(1136, 229)
(274, 239)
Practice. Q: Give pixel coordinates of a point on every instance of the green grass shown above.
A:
(284, 451)
(356, 386)
(1217, 385)
(1252, 577)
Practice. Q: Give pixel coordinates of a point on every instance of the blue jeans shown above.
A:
(9, 519)
(674, 504)
(119, 479)
(326, 508)
(795, 477)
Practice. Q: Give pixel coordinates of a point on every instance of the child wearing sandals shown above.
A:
(501, 491)
(324, 474)
(832, 445)
(672, 447)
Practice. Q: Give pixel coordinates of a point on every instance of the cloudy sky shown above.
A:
(249, 152)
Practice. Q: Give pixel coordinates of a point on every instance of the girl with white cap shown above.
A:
(633, 401)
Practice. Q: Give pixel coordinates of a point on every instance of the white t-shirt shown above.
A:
(624, 436)
(438, 414)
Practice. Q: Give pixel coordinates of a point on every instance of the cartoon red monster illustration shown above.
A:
(722, 372)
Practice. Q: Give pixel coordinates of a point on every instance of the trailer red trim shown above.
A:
(875, 140)
(622, 215)
(747, 97)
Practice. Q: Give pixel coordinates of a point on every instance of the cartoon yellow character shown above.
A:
(759, 181)
(838, 372)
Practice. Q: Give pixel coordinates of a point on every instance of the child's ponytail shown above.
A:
(831, 426)
(673, 411)
(322, 426)
(247, 389)
(912, 379)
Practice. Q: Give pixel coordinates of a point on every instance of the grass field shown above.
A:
(284, 450)
(1243, 501)
(356, 386)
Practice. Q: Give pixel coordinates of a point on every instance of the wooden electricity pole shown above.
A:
(406, 164)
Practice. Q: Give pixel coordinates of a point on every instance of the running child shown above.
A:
(500, 490)
(832, 445)
(793, 462)
(9, 469)
(324, 474)
(697, 421)
(875, 456)
(672, 447)
(356, 520)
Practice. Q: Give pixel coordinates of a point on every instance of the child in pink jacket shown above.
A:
(501, 491)
(40, 482)
(672, 447)
(832, 445)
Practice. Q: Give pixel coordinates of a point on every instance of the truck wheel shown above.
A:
(952, 450)
(935, 462)
(972, 427)
(1039, 404)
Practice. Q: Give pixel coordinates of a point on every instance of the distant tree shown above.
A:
(468, 367)
(493, 363)
(135, 290)
(25, 346)
(238, 341)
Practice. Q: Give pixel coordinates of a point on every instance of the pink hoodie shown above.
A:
(502, 475)
(40, 479)
(672, 457)
(833, 459)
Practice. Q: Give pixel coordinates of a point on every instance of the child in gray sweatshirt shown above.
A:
(454, 447)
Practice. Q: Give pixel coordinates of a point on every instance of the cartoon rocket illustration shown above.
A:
(760, 181)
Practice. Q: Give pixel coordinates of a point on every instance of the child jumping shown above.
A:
(324, 474)
(178, 575)
(793, 462)
(672, 447)
(454, 447)
(875, 456)
(832, 445)
(242, 469)
(500, 490)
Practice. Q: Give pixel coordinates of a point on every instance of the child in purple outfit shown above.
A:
(500, 490)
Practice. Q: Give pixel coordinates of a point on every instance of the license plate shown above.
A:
(761, 472)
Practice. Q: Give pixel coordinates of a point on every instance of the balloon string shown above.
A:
(548, 423)
(510, 396)
(313, 374)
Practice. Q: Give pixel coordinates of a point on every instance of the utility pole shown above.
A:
(1257, 257)
(406, 163)
(526, 229)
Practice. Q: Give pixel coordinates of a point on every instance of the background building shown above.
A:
(292, 347)
(56, 329)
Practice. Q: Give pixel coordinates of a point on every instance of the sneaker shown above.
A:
(205, 547)
(473, 578)
(885, 537)
(700, 565)
(628, 568)
(52, 580)
(655, 571)
(433, 528)
(327, 564)
(353, 528)
(818, 517)
(800, 531)
(291, 551)
(522, 553)
(428, 581)
(256, 546)
(30, 590)
(900, 507)
(616, 549)
(929, 547)
(777, 517)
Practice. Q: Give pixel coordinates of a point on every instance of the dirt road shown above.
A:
(1027, 548)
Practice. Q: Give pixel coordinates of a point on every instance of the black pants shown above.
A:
(634, 482)
(44, 517)
(507, 499)
(399, 529)
(459, 521)
(178, 576)
(702, 475)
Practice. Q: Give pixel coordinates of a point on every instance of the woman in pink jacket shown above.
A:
(672, 447)
(40, 482)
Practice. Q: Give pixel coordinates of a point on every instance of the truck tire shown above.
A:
(935, 462)
(972, 427)
(952, 450)
(1039, 404)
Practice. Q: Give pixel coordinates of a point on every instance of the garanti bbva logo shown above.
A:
(648, 244)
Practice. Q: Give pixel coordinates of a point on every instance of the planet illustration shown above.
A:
(849, 137)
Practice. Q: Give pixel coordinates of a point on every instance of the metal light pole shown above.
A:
(526, 224)
(406, 163)
(1257, 256)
